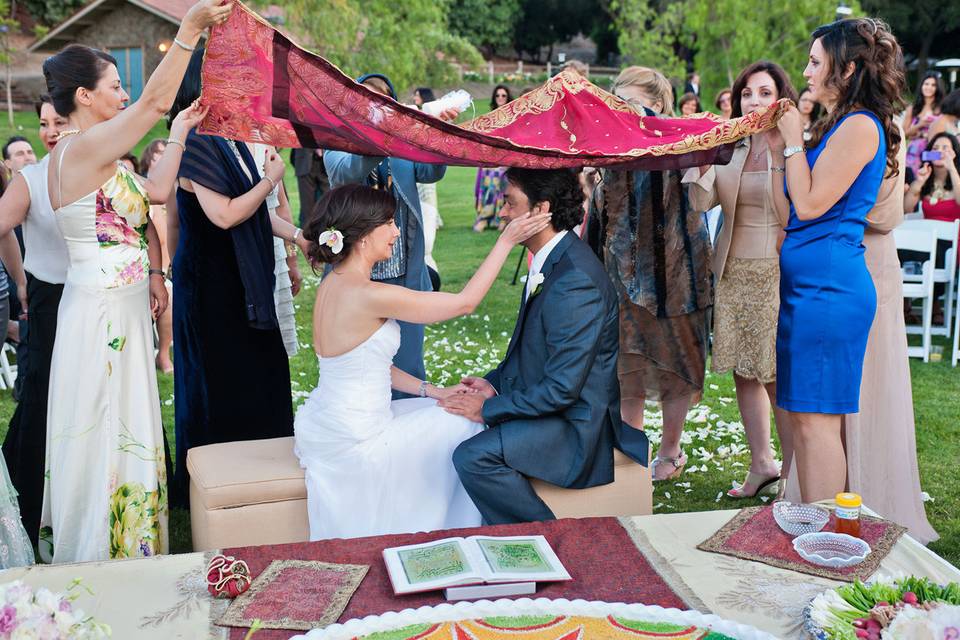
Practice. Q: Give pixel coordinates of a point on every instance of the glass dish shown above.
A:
(798, 519)
(835, 550)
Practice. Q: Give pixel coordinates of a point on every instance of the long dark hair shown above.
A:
(947, 185)
(493, 96)
(780, 80)
(74, 67)
(189, 87)
(919, 101)
(877, 83)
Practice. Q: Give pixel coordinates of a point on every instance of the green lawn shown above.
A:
(714, 438)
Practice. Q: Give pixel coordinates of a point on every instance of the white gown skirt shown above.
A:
(389, 475)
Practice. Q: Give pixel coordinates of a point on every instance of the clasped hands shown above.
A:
(466, 399)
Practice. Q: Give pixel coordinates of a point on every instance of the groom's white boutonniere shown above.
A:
(535, 284)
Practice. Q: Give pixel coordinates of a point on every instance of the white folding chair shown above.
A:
(923, 241)
(947, 232)
(956, 333)
(8, 372)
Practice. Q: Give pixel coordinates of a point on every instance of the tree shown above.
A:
(486, 24)
(408, 41)
(544, 23)
(8, 26)
(51, 12)
(921, 26)
(723, 35)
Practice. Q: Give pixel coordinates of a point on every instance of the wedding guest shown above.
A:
(158, 214)
(129, 161)
(724, 103)
(689, 104)
(747, 272)
(490, 185)
(423, 95)
(224, 314)
(406, 267)
(105, 496)
(693, 84)
(286, 271)
(809, 111)
(657, 253)
(27, 203)
(937, 191)
(827, 297)
(949, 115)
(312, 179)
(921, 115)
(880, 440)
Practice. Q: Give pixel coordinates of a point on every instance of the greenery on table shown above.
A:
(714, 439)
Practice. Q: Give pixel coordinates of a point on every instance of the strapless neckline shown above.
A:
(365, 342)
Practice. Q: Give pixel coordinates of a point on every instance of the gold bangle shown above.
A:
(291, 249)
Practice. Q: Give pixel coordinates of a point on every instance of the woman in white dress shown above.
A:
(105, 489)
(374, 466)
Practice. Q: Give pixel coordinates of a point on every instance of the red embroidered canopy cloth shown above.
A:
(261, 87)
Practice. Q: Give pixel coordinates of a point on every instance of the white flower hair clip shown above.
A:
(333, 239)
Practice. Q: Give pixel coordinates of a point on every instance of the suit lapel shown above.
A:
(526, 304)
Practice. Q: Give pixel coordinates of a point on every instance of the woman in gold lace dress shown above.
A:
(746, 270)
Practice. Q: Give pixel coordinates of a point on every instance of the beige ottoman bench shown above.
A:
(253, 492)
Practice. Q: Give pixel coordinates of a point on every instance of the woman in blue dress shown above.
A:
(828, 301)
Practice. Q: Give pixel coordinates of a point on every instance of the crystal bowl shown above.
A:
(835, 550)
(798, 519)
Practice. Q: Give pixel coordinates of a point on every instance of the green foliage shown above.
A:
(725, 35)
(544, 23)
(486, 24)
(51, 12)
(407, 41)
(923, 27)
(652, 33)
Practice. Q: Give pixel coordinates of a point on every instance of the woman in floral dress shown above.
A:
(491, 182)
(105, 481)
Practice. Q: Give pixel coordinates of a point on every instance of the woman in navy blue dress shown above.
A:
(827, 298)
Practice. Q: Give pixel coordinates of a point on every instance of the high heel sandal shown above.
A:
(678, 464)
(763, 484)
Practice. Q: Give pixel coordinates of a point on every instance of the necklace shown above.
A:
(938, 193)
(68, 132)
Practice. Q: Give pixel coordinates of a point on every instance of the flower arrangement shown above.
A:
(26, 614)
(908, 609)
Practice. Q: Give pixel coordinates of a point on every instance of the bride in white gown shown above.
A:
(374, 466)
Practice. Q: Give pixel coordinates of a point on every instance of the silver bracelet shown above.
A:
(176, 142)
(296, 235)
(423, 388)
(183, 45)
(273, 185)
(779, 169)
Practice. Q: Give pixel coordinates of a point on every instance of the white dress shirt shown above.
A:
(539, 258)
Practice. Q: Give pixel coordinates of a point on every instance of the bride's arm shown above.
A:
(402, 381)
(426, 307)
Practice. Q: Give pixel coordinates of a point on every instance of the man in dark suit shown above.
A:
(553, 404)
(693, 84)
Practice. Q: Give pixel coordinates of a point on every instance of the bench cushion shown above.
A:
(236, 474)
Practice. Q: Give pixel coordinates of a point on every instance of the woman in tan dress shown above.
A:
(747, 272)
(880, 441)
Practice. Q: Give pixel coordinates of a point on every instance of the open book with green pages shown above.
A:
(477, 560)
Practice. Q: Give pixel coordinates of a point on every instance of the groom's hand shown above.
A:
(468, 405)
(478, 385)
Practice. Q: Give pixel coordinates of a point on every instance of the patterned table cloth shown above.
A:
(164, 597)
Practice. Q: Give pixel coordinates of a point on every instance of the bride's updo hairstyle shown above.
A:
(352, 209)
(74, 67)
(877, 83)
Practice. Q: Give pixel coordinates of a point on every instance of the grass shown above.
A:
(713, 439)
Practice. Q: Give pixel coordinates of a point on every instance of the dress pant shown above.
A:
(25, 445)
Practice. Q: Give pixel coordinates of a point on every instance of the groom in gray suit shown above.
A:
(552, 407)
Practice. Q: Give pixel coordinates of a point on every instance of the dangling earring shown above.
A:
(363, 243)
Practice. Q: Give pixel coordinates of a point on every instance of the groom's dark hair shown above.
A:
(560, 187)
